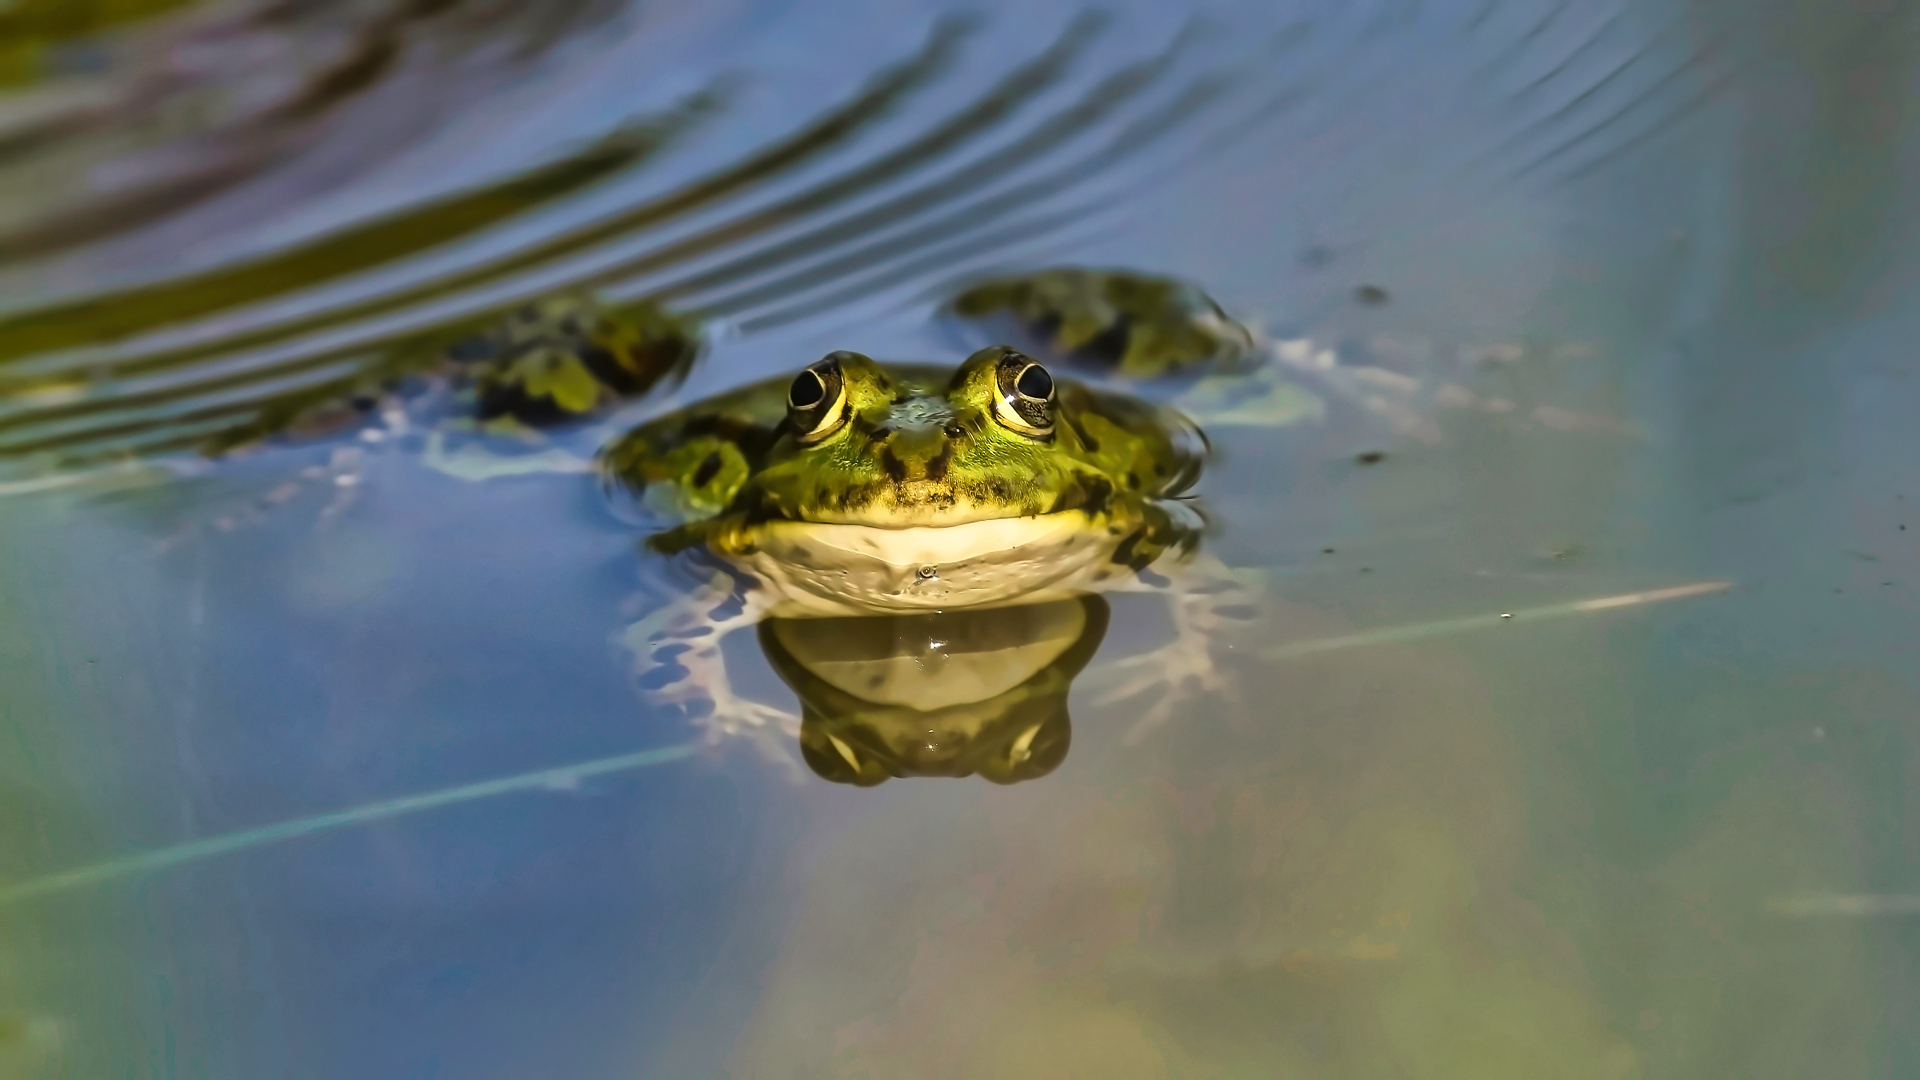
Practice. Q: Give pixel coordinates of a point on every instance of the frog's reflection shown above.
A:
(949, 693)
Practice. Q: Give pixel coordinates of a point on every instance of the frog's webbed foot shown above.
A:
(679, 661)
(1209, 604)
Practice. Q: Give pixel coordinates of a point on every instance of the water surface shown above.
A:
(356, 780)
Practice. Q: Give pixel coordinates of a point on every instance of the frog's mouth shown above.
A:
(922, 503)
(931, 545)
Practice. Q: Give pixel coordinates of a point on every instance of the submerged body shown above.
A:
(561, 360)
(1134, 325)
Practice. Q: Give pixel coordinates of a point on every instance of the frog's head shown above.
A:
(1000, 439)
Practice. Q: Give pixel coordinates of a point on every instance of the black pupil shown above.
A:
(1035, 382)
(807, 390)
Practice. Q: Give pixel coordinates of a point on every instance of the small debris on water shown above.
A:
(1506, 615)
(1371, 457)
(1371, 295)
(1326, 551)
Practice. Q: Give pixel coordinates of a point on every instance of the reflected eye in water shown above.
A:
(953, 693)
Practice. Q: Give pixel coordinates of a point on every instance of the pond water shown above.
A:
(1570, 731)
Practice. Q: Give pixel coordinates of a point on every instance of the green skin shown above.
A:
(569, 357)
(561, 360)
(914, 445)
(1137, 326)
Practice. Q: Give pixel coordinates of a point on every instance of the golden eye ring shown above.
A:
(1024, 403)
(817, 400)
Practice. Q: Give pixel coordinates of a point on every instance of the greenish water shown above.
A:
(1575, 736)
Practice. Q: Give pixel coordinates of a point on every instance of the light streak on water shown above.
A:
(561, 778)
(1416, 631)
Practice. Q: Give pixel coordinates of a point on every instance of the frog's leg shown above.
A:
(679, 661)
(1209, 603)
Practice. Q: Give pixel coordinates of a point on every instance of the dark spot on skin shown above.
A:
(1046, 328)
(1089, 496)
(708, 469)
(1092, 444)
(753, 439)
(937, 467)
(608, 370)
(894, 466)
(1109, 346)
(1371, 295)
(1371, 457)
(1099, 494)
(1125, 554)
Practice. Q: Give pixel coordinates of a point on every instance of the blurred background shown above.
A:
(325, 761)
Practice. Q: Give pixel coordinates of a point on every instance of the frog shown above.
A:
(972, 691)
(861, 488)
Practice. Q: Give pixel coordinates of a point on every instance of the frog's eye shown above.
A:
(1025, 400)
(817, 400)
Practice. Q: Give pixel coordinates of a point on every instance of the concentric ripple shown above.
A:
(959, 152)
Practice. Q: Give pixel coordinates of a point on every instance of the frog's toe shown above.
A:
(680, 665)
(1184, 672)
